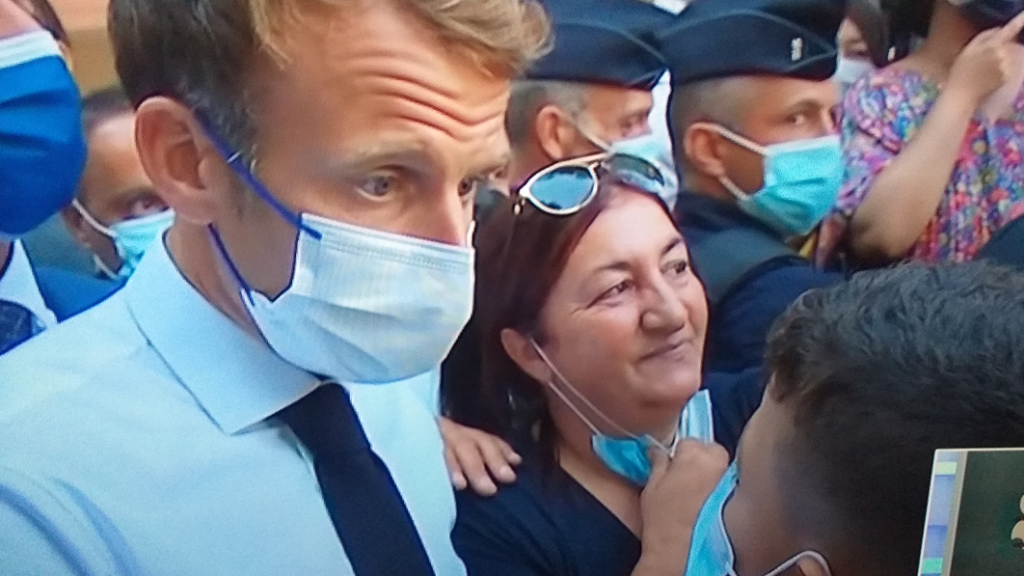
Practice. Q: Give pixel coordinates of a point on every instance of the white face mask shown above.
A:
(849, 70)
(362, 306)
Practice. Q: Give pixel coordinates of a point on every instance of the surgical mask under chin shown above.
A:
(362, 305)
(801, 182)
(628, 455)
(711, 551)
(849, 70)
(131, 238)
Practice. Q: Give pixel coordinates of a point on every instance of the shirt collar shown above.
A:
(237, 379)
(18, 284)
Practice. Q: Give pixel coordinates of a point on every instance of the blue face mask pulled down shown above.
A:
(711, 551)
(628, 455)
(801, 182)
(42, 148)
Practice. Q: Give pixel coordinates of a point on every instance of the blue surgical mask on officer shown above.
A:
(801, 182)
(42, 148)
(628, 455)
(711, 550)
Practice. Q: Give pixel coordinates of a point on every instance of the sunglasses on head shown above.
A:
(566, 187)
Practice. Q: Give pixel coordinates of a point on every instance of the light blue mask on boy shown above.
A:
(628, 456)
(711, 552)
(801, 182)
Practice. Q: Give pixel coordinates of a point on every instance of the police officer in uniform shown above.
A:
(592, 90)
(759, 160)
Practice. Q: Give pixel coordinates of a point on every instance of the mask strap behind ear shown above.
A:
(583, 399)
(92, 221)
(737, 139)
(781, 568)
(599, 143)
(235, 162)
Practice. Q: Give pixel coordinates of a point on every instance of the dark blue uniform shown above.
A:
(742, 310)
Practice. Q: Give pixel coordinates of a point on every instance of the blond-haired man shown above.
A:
(259, 398)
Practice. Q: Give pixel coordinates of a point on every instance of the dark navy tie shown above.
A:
(362, 499)
(17, 324)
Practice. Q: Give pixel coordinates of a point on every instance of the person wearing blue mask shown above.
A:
(117, 214)
(260, 397)
(590, 93)
(868, 379)
(758, 156)
(591, 331)
(592, 89)
(41, 158)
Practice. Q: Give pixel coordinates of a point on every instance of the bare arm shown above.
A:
(907, 193)
(14, 20)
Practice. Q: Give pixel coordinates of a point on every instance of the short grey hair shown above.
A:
(528, 96)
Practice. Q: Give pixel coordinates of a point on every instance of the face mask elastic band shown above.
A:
(590, 405)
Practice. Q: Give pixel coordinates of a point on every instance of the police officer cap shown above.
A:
(721, 38)
(603, 42)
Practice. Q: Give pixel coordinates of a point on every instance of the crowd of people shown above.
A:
(505, 287)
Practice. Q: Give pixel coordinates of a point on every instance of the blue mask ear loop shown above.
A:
(234, 161)
(590, 405)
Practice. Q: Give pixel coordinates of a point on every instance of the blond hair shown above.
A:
(201, 52)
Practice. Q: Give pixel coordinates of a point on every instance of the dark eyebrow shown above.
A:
(622, 265)
(383, 154)
(675, 243)
(804, 105)
(130, 196)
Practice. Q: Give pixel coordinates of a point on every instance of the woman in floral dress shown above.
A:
(933, 147)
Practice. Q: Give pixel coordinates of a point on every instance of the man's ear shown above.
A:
(703, 149)
(186, 169)
(554, 134)
(520, 349)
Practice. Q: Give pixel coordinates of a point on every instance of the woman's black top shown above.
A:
(547, 524)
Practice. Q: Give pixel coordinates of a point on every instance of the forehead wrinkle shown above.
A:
(463, 103)
(425, 113)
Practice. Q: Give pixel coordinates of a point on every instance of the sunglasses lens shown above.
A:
(636, 171)
(563, 189)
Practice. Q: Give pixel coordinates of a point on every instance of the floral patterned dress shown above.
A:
(880, 114)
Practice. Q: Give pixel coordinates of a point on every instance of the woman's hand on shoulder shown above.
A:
(477, 459)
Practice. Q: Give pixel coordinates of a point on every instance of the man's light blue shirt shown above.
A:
(136, 438)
